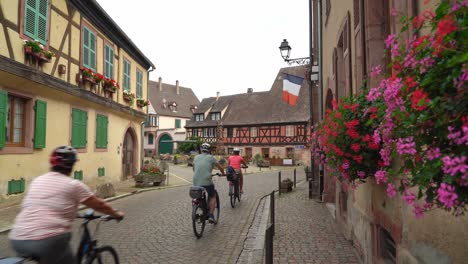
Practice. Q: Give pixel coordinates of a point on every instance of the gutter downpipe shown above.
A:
(142, 124)
(320, 85)
(311, 96)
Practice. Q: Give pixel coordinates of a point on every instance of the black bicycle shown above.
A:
(201, 209)
(88, 251)
(234, 192)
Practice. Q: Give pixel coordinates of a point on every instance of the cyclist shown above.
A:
(42, 229)
(236, 161)
(203, 165)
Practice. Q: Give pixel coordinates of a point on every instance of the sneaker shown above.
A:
(211, 218)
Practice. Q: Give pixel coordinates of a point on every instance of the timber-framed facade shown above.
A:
(257, 122)
(61, 83)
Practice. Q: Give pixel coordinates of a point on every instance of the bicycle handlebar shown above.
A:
(89, 215)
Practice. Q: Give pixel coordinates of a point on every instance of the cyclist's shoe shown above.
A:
(211, 218)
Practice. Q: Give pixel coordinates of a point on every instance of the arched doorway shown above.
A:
(129, 151)
(164, 146)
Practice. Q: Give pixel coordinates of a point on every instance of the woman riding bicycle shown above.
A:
(203, 164)
(236, 161)
(42, 229)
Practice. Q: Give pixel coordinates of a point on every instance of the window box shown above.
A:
(128, 97)
(142, 102)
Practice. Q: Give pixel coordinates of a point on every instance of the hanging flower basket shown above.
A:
(142, 102)
(128, 97)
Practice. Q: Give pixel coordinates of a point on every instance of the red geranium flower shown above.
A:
(419, 100)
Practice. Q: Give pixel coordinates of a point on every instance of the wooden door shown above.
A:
(128, 156)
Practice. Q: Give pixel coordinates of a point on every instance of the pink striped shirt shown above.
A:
(49, 207)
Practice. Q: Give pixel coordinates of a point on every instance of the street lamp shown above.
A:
(312, 76)
(285, 50)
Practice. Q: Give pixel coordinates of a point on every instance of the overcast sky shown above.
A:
(214, 45)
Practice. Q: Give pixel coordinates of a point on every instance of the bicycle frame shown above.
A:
(86, 243)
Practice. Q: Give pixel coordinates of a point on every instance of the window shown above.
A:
(230, 150)
(265, 153)
(290, 131)
(195, 132)
(15, 121)
(198, 117)
(101, 131)
(177, 123)
(216, 116)
(79, 128)
(209, 132)
(126, 76)
(290, 153)
(230, 132)
(253, 132)
(139, 84)
(36, 18)
(151, 120)
(150, 139)
(89, 49)
(109, 62)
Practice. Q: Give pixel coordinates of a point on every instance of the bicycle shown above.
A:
(200, 208)
(88, 251)
(234, 186)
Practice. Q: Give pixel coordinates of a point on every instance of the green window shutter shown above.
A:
(126, 75)
(29, 28)
(109, 62)
(139, 85)
(40, 129)
(42, 27)
(84, 127)
(101, 131)
(3, 112)
(177, 123)
(79, 127)
(89, 49)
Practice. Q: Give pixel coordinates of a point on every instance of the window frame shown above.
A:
(125, 75)
(290, 131)
(254, 134)
(28, 146)
(179, 121)
(216, 115)
(150, 139)
(92, 31)
(199, 117)
(22, 32)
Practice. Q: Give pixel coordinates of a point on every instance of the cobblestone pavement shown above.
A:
(157, 227)
(305, 232)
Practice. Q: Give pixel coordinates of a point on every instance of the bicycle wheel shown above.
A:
(103, 255)
(198, 220)
(238, 194)
(232, 195)
(217, 209)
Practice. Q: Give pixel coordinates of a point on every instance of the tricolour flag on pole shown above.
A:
(291, 87)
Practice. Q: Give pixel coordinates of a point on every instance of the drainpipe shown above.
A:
(142, 124)
(320, 86)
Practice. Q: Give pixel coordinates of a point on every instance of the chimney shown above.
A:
(160, 84)
(177, 86)
(249, 90)
(217, 96)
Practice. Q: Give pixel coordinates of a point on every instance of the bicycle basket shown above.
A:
(196, 192)
(232, 177)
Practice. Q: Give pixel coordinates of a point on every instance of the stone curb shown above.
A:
(110, 199)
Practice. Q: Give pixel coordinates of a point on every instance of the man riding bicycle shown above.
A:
(203, 165)
(42, 229)
(236, 161)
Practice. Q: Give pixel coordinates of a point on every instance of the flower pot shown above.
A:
(28, 50)
(109, 89)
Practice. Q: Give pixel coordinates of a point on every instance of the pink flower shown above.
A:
(447, 195)
(381, 176)
(361, 174)
(418, 211)
(406, 146)
(409, 197)
(355, 147)
(433, 153)
(454, 165)
(345, 165)
(390, 41)
(391, 190)
(394, 12)
(375, 71)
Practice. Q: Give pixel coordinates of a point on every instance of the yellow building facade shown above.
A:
(68, 76)
(383, 230)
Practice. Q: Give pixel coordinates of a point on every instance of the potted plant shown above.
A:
(98, 78)
(110, 85)
(128, 97)
(47, 55)
(32, 47)
(88, 75)
(142, 102)
(149, 174)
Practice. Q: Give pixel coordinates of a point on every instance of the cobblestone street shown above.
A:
(157, 227)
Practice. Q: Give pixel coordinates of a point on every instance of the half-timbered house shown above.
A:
(68, 76)
(257, 122)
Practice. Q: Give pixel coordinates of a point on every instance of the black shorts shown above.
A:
(210, 189)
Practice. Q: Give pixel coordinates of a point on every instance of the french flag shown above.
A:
(291, 87)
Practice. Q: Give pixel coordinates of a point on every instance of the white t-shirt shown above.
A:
(49, 207)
